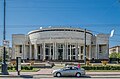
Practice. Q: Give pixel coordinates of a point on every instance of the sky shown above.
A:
(98, 16)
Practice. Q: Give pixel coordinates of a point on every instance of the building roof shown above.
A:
(59, 29)
(114, 47)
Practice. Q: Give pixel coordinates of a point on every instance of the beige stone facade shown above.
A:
(60, 44)
(114, 49)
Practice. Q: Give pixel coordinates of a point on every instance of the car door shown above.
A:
(66, 72)
(72, 71)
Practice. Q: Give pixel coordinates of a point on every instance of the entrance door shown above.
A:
(60, 54)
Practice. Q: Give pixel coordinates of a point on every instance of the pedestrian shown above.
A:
(78, 65)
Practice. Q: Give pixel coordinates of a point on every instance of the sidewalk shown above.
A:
(48, 72)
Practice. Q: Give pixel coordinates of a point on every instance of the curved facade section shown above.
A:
(59, 34)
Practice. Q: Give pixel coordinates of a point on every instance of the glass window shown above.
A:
(74, 68)
(73, 57)
(46, 45)
(68, 46)
(81, 49)
(20, 48)
(81, 56)
(60, 45)
(47, 51)
(46, 57)
(100, 49)
(38, 56)
(51, 51)
(73, 51)
(38, 49)
(68, 51)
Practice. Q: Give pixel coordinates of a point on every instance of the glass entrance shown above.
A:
(60, 51)
(60, 54)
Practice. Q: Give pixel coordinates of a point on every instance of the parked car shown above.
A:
(69, 71)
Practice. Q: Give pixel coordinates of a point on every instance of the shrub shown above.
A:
(101, 67)
(22, 67)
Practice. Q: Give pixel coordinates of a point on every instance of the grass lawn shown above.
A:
(34, 70)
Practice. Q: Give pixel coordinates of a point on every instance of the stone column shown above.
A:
(79, 52)
(30, 53)
(63, 52)
(35, 52)
(41, 52)
(50, 51)
(23, 51)
(90, 57)
(67, 50)
(53, 57)
(107, 56)
(55, 52)
(70, 52)
(76, 51)
(44, 51)
(98, 51)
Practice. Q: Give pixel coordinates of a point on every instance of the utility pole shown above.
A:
(4, 65)
(85, 46)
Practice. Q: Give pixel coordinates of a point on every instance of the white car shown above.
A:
(69, 71)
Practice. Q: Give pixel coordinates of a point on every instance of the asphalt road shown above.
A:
(59, 78)
(51, 77)
(75, 78)
(78, 78)
(83, 77)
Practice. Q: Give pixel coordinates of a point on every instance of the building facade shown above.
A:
(114, 49)
(60, 44)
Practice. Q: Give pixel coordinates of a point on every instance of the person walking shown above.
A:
(78, 65)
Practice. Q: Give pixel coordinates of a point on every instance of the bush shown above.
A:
(22, 67)
(101, 67)
(26, 68)
(11, 67)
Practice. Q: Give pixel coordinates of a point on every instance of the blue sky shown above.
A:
(99, 16)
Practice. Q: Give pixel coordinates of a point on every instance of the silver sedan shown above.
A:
(69, 71)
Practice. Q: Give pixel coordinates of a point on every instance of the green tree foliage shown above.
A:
(119, 55)
(114, 55)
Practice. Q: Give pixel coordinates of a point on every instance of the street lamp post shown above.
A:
(4, 65)
(85, 46)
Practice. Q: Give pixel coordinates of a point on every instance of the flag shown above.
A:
(112, 32)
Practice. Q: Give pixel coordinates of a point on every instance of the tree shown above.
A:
(115, 55)
(118, 55)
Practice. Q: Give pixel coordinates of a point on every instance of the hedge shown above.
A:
(22, 68)
(101, 67)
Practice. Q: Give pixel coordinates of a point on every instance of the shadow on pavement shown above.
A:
(26, 76)
(15, 76)
(86, 76)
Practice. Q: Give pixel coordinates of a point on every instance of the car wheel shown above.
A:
(78, 74)
(58, 74)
